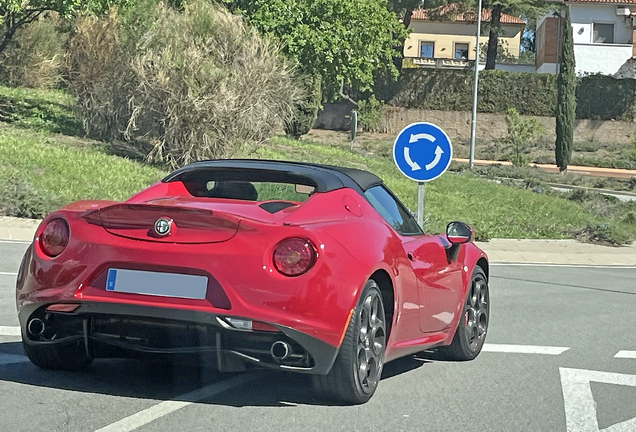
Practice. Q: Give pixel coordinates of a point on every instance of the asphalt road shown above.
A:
(575, 319)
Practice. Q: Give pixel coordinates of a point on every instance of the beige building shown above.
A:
(450, 38)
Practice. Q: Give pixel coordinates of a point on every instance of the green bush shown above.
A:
(521, 133)
(182, 86)
(19, 198)
(606, 234)
(306, 110)
(34, 58)
(371, 115)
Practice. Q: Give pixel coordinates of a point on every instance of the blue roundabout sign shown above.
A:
(422, 151)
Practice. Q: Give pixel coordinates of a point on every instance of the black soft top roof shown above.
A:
(324, 178)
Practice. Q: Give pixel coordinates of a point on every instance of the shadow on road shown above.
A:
(165, 381)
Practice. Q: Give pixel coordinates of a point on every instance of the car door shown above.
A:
(439, 281)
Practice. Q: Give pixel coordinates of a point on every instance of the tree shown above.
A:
(404, 9)
(306, 109)
(493, 37)
(566, 98)
(525, 8)
(343, 42)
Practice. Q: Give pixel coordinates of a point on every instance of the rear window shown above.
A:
(252, 191)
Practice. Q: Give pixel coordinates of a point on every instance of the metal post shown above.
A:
(354, 126)
(475, 87)
(420, 204)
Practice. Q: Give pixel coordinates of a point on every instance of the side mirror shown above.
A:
(459, 232)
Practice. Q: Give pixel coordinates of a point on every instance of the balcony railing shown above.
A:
(442, 63)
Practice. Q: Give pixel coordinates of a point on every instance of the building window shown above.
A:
(461, 51)
(427, 49)
(603, 33)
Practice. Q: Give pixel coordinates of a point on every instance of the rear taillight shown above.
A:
(294, 256)
(54, 238)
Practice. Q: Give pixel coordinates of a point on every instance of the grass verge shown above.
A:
(40, 172)
(44, 166)
(494, 210)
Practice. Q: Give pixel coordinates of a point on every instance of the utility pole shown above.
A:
(473, 127)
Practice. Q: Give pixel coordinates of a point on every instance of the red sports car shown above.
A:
(250, 263)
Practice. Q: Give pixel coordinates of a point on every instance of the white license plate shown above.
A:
(156, 283)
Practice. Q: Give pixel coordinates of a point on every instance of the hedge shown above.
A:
(598, 97)
(605, 98)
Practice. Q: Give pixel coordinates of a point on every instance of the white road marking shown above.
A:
(8, 274)
(524, 349)
(626, 354)
(148, 415)
(580, 407)
(10, 331)
(6, 359)
(541, 264)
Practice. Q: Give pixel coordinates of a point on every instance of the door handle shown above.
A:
(410, 255)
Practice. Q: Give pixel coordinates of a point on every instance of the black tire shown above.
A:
(356, 372)
(473, 325)
(71, 357)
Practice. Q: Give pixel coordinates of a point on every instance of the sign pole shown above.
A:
(354, 126)
(420, 204)
(475, 87)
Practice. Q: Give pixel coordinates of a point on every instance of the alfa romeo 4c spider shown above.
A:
(254, 264)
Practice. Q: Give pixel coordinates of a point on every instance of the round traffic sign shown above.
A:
(422, 151)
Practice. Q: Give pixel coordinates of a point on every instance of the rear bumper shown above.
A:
(242, 280)
(124, 330)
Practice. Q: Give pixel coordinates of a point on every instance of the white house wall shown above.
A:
(595, 58)
(599, 58)
(584, 15)
(582, 33)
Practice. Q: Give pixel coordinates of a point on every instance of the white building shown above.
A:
(603, 36)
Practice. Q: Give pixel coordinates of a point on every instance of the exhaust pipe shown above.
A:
(36, 327)
(281, 351)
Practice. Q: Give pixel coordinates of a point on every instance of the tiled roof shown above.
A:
(486, 14)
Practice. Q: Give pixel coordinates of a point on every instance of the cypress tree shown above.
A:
(566, 97)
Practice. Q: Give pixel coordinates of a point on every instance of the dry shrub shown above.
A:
(99, 76)
(34, 57)
(196, 85)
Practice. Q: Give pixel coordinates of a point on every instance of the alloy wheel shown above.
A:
(476, 313)
(371, 342)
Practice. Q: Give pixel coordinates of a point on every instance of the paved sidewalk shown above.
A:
(498, 250)
(557, 252)
(12, 228)
(584, 170)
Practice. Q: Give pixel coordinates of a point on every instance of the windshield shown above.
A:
(256, 191)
